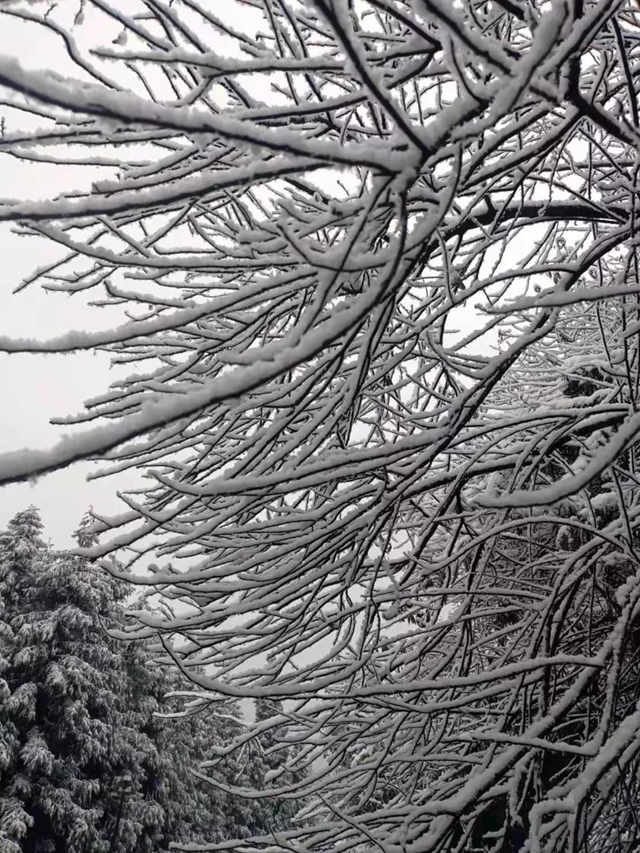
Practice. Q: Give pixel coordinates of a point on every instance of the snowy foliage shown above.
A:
(91, 758)
(380, 266)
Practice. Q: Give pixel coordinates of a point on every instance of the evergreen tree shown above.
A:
(94, 756)
(267, 765)
(246, 779)
(76, 768)
(19, 548)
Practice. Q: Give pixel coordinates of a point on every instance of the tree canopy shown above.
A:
(379, 263)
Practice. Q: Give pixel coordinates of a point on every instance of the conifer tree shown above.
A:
(264, 765)
(94, 756)
(78, 770)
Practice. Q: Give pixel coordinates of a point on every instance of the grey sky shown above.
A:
(35, 388)
(39, 387)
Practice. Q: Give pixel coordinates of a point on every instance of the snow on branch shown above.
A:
(379, 263)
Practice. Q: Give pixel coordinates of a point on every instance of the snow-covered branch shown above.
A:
(380, 265)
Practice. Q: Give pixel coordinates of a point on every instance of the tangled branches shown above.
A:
(380, 264)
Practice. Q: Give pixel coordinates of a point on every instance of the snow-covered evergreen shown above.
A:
(91, 758)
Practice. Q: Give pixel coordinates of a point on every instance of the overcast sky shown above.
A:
(35, 387)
